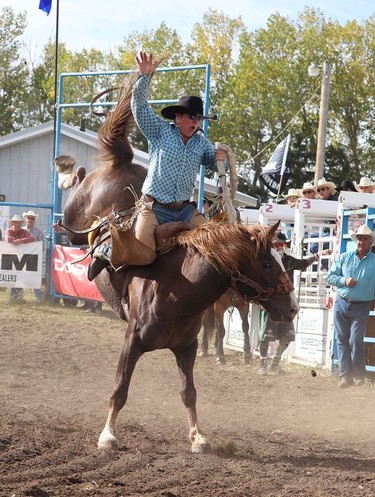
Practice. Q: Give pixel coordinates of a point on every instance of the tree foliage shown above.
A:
(258, 85)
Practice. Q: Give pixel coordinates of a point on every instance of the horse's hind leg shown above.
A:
(185, 358)
(246, 340)
(130, 354)
(203, 352)
(219, 341)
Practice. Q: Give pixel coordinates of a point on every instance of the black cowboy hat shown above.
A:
(346, 185)
(279, 237)
(186, 105)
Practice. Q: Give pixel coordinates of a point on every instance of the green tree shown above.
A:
(14, 75)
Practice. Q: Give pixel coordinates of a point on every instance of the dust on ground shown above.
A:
(281, 435)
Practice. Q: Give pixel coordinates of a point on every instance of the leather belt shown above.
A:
(173, 206)
(350, 301)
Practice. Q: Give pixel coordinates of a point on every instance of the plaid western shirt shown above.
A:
(173, 165)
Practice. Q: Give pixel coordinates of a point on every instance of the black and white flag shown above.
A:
(276, 173)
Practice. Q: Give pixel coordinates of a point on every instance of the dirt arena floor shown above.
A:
(275, 436)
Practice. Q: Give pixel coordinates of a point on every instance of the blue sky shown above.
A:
(103, 25)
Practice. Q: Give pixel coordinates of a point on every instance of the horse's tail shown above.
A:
(113, 135)
(209, 323)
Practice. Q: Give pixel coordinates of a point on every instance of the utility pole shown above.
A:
(323, 118)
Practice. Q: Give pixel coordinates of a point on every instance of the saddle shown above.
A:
(128, 250)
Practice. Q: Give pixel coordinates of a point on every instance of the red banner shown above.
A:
(71, 279)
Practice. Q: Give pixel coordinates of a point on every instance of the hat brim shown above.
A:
(357, 187)
(329, 185)
(26, 214)
(353, 236)
(170, 112)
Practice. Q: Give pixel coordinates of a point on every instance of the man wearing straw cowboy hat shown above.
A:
(326, 190)
(30, 218)
(16, 234)
(352, 274)
(307, 191)
(365, 185)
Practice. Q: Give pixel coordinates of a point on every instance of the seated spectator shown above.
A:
(326, 190)
(346, 186)
(292, 197)
(307, 191)
(365, 185)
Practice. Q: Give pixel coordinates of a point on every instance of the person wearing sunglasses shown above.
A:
(307, 191)
(176, 151)
(326, 190)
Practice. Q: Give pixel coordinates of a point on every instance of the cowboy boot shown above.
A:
(101, 259)
(263, 366)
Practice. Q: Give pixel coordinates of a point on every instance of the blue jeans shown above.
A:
(165, 215)
(350, 328)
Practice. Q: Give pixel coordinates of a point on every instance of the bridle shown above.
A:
(282, 285)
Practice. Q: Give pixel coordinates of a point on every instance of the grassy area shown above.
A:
(72, 314)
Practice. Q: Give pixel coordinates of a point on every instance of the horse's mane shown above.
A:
(227, 247)
(113, 135)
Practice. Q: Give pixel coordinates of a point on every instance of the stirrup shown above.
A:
(96, 267)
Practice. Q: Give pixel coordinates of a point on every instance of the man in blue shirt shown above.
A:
(176, 152)
(353, 276)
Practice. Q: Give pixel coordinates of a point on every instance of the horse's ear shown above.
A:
(272, 230)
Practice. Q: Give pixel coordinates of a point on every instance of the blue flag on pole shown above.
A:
(45, 5)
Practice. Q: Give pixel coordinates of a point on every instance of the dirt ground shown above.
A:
(275, 436)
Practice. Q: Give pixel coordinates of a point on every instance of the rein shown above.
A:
(104, 221)
(282, 285)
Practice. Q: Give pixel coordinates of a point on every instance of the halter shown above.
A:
(282, 285)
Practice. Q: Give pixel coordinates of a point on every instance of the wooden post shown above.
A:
(323, 118)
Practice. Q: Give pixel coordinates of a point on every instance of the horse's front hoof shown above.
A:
(108, 441)
(200, 446)
(220, 360)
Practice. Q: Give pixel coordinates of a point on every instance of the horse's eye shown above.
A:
(267, 265)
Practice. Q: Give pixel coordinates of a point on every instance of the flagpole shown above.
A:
(56, 76)
(283, 167)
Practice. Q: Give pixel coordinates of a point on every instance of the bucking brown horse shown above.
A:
(165, 301)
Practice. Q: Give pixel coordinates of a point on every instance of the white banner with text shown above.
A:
(21, 265)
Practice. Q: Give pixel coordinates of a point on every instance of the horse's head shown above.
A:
(267, 282)
(246, 255)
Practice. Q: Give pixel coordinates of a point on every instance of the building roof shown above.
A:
(89, 138)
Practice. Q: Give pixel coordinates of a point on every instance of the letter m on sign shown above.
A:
(11, 261)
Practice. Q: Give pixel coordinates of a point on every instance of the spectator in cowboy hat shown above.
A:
(282, 332)
(346, 186)
(352, 274)
(292, 197)
(307, 191)
(30, 218)
(365, 185)
(16, 234)
(326, 190)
